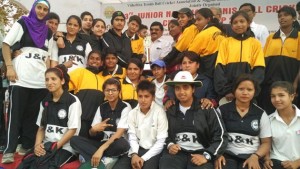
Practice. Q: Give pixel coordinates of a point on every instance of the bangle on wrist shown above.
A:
(257, 155)
(8, 65)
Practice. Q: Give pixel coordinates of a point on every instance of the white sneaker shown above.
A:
(22, 151)
(8, 158)
(81, 159)
(109, 162)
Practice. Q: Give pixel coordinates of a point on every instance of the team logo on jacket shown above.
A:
(62, 114)
(79, 48)
(254, 125)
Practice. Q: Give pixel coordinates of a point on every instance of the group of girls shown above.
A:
(223, 58)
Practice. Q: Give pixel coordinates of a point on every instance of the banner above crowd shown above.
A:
(161, 10)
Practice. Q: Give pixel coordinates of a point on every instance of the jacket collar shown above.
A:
(134, 37)
(112, 31)
(62, 99)
(175, 108)
(243, 36)
(119, 106)
(119, 71)
(293, 34)
(92, 69)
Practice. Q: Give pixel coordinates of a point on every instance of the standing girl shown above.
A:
(239, 54)
(174, 30)
(71, 47)
(282, 54)
(26, 74)
(186, 20)
(206, 43)
(98, 29)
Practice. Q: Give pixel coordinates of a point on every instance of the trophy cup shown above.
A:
(147, 43)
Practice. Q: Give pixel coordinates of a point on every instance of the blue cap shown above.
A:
(159, 63)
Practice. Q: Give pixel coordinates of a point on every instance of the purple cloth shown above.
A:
(38, 30)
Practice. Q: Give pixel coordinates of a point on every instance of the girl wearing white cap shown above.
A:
(195, 136)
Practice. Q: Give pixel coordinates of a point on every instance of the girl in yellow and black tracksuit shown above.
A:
(189, 32)
(110, 65)
(282, 57)
(239, 54)
(87, 86)
(206, 43)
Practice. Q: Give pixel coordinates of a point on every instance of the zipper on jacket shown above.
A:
(282, 44)
(97, 81)
(241, 52)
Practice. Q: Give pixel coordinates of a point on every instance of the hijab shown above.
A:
(38, 30)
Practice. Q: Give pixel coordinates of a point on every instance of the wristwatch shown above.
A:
(207, 156)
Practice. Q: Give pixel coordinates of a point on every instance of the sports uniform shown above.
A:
(285, 139)
(118, 118)
(119, 73)
(78, 50)
(183, 43)
(128, 91)
(244, 132)
(197, 131)
(137, 45)
(206, 45)
(147, 134)
(87, 85)
(282, 63)
(28, 91)
(160, 90)
(237, 55)
(120, 44)
(56, 118)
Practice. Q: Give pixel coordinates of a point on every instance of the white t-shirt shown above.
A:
(147, 130)
(30, 65)
(121, 123)
(285, 138)
(54, 132)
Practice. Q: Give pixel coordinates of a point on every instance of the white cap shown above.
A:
(184, 77)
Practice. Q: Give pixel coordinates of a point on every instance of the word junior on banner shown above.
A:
(150, 14)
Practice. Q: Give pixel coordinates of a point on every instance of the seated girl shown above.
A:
(58, 120)
(195, 136)
(248, 128)
(107, 129)
(285, 125)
